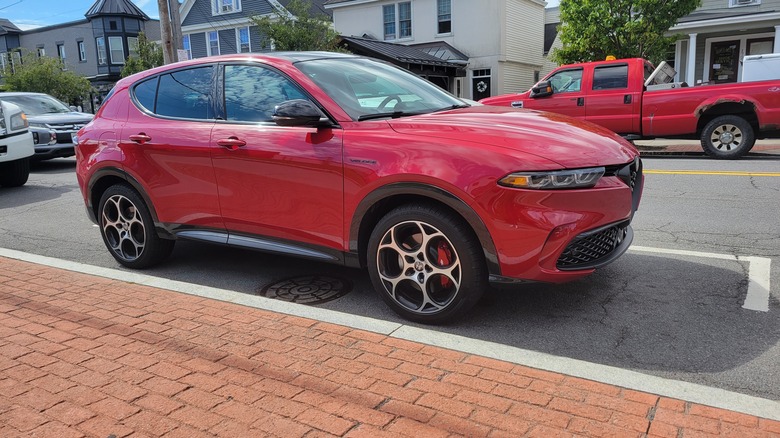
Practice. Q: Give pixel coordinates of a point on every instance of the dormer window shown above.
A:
(734, 3)
(219, 7)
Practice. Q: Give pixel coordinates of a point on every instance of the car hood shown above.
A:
(564, 140)
(61, 118)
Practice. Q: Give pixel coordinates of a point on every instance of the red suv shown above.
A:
(353, 161)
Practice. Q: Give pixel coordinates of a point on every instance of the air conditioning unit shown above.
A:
(229, 8)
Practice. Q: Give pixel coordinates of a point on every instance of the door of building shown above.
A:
(724, 62)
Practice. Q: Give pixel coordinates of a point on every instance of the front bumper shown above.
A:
(562, 235)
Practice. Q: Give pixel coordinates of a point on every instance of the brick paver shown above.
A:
(88, 356)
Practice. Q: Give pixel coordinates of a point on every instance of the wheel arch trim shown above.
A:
(105, 172)
(428, 191)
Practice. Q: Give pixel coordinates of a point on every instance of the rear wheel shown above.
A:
(128, 229)
(14, 173)
(727, 137)
(426, 264)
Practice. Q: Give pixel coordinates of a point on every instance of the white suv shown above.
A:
(16, 146)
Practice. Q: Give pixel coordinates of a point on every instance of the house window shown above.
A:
(444, 10)
(132, 46)
(3, 59)
(405, 20)
(733, 3)
(117, 49)
(225, 6)
(61, 52)
(101, 50)
(113, 25)
(243, 40)
(185, 42)
(41, 52)
(82, 51)
(213, 46)
(388, 14)
(403, 11)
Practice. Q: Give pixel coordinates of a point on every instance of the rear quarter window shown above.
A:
(145, 93)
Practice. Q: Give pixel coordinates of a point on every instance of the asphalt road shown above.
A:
(674, 315)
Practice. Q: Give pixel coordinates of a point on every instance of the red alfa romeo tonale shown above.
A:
(349, 160)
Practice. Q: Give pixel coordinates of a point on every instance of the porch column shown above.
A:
(777, 38)
(691, 69)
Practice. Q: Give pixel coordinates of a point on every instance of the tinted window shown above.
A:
(186, 94)
(252, 92)
(145, 92)
(566, 81)
(608, 78)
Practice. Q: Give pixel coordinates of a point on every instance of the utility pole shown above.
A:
(173, 9)
(166, 34)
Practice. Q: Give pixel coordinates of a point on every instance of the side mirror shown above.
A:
(297, 112)
(542, 89)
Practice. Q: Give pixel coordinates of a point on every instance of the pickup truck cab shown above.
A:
(16, 146)
(636, 100)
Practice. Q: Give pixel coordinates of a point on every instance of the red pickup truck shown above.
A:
(636, 100)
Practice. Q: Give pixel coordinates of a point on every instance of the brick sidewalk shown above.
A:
(88, 356)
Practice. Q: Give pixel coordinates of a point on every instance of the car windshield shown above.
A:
(368, 89)
(35, 104)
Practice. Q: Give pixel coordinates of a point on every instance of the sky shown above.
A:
(27, 14)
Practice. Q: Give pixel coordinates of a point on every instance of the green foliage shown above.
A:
(45, 75)
(150, 55)
(298, 30)
(590, 30)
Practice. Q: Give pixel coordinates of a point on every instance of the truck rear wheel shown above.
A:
(14, 173)
(727, 137)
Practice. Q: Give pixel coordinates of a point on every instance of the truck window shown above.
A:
(566, 81)
(610, 77)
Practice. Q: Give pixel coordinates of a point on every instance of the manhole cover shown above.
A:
(310, 289)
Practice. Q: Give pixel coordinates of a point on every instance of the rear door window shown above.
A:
(186, 94)
(610, 77)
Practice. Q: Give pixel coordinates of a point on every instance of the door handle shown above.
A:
(627, 99)
(140, 138)
(580, 101)
(231, 143)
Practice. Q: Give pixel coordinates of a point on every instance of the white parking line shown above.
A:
(692, 392)
(759, 269)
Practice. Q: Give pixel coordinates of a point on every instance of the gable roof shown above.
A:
(393, 52)
(116, 7)
(6, 27)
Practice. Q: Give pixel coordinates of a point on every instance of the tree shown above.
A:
(590, 30)
(297, 30)
(46, 75)
(150, 55)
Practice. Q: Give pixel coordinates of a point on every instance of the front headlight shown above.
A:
(560, 179)
(19, 121)
(38, 125)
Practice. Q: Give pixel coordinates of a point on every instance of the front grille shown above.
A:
(589, 248)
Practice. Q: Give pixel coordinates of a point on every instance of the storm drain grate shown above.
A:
(309, 289)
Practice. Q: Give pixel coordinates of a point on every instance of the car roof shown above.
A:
(21, 93)
(290, 57)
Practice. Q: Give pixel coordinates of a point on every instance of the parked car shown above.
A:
(48, 116)
(16, 146)
(345, 159)
(632, 98)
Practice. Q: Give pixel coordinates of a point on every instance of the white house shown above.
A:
(502, 40)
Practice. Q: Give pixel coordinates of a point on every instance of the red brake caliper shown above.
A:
(445, 258)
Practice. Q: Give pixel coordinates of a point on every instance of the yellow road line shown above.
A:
(710, 172)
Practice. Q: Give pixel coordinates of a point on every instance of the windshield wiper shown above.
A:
(452, 107)
(392, 115)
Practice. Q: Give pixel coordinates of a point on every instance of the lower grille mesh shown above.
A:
(590, 247)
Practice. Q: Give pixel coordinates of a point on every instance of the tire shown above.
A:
(426, 264)
(128, 230)
(727, 137)
(15, 173)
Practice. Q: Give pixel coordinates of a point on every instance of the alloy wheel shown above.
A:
(726, 137)
(123, 228)
(419, 267)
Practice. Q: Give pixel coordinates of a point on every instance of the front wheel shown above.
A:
(727, 137)
(15, 173)
(426, 264)
(128, 229)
